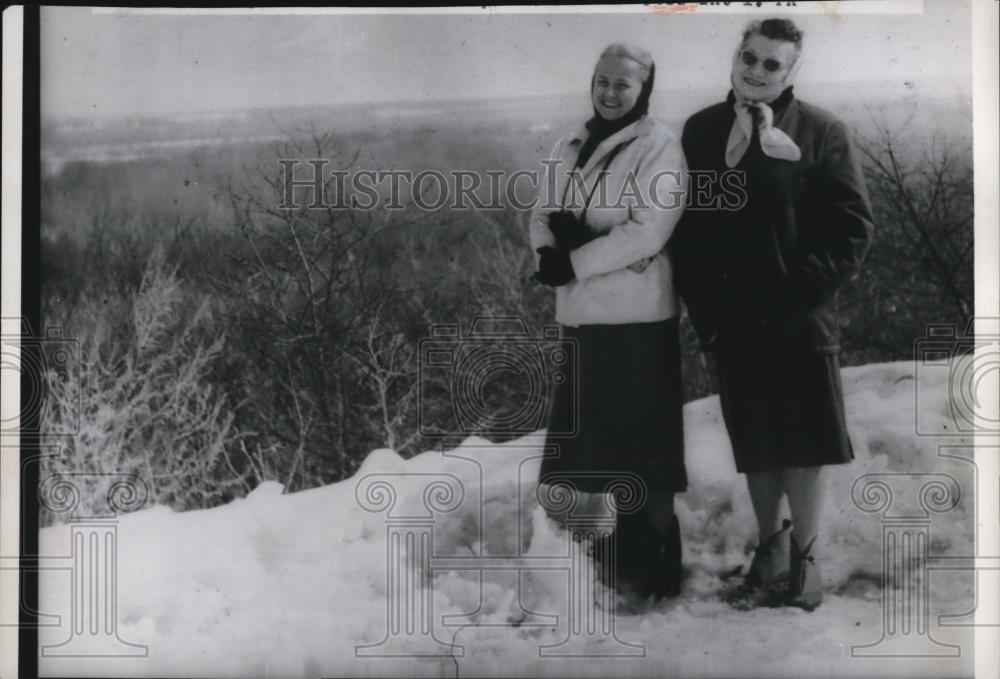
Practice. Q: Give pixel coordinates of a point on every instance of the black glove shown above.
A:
(554, 268)
(570, 233)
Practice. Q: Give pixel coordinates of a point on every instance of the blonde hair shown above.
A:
(626, 51)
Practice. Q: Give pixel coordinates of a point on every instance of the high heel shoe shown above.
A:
(806, 584)
(766, 580)
(770, 565)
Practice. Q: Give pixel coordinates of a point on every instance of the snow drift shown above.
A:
(292, 585)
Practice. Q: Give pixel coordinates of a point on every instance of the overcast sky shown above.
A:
(106, 63)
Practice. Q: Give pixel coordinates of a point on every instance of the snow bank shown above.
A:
(291, 585)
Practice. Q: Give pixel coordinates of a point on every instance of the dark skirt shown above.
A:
(626, 396)
(783, 411)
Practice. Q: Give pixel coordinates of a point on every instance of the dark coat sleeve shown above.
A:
(694, 255)
(839, 242)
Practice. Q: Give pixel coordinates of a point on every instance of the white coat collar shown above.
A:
(631, 131)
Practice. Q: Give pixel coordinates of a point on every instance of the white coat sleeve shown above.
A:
(660, 192)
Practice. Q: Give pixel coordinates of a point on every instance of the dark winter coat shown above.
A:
(761, 274)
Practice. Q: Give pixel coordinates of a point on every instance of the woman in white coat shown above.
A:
(603, 249)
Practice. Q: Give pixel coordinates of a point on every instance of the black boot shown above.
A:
(644, 563)
(666, 567)
(627, 539)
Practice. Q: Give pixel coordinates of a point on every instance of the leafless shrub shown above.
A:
(144, 404)
(919, 269)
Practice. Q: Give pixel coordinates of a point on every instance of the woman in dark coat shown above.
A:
(759, 276)
(613, 280)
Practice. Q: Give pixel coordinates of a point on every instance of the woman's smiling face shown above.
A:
(617, 85)
(761, 68)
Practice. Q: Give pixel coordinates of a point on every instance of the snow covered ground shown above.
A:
(292, 585)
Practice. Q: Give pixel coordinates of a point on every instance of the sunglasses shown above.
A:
(770, 65)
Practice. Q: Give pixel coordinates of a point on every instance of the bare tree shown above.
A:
(919, 269)
(387, 362)
(923, 200)
(328, 370)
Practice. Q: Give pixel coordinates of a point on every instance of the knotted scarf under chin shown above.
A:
(774, 142)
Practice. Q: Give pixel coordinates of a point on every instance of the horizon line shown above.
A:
(913, 87)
